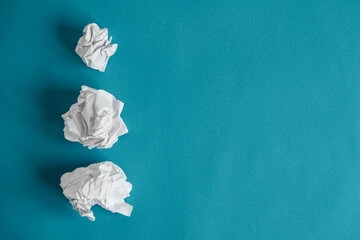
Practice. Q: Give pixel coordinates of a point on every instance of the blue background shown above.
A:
(243, 117)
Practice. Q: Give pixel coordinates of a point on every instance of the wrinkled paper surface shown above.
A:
(94, 47)
(95, 119)
(100, 183)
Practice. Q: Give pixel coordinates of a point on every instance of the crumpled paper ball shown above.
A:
(100, 183)
(94, 47)
(94, 120)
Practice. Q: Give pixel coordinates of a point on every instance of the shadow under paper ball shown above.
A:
(48, 181)
(55, 101)
(69, 34)
(51, 174)
(69, 25)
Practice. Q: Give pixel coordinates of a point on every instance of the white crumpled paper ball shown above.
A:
(94, 47)
(94, 120)
(100, 183)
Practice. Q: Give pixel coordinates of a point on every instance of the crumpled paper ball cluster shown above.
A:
(94, 121)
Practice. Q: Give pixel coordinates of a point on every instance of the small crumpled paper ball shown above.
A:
(94, 47)
(100, 183)
(95, 119)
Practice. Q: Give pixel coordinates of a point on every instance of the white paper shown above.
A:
(94, 120)
(100, 183)
(94, 47)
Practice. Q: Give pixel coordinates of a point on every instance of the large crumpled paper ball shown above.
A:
(94, 47)
(100, 183)
(94, 120)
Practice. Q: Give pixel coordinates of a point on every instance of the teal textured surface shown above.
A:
(243, 118)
